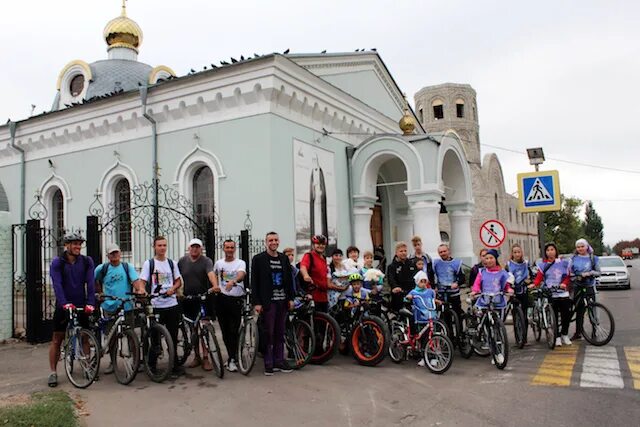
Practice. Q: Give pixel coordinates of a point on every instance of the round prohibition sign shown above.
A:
(493, 233)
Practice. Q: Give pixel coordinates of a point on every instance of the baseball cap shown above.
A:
(113, 248)
(195, 242)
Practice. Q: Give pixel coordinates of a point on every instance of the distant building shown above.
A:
(452, 108)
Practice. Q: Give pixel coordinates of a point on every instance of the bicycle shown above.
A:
(247, 336)
(80, 352)
(429, 343)
(158, 352)
(543, 317)
(325, 328)
(490, 328)
(121, 342)
(517, 315)
(299, 338)
(201, 333)
(365, 334)
(451, 319)
(596, 316)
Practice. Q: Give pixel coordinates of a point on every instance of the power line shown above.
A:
(566, 161)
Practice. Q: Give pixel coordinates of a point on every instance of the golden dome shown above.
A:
(123, 32)
(407, 123)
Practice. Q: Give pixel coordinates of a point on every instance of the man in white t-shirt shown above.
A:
(231, 273)
(161, 275)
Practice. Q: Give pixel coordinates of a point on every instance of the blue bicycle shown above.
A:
(80, 352)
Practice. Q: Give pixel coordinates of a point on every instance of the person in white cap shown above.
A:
(114, 278)
(198, 278)
(231, 273)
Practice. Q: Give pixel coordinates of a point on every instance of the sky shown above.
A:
(561, 75)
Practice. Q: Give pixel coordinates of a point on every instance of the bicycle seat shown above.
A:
(404, 312)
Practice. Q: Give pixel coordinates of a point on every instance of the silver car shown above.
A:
(614, 273)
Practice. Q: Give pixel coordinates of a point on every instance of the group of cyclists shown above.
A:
(346, 289)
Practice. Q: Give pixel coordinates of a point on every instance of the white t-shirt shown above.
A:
(161, 274)
(226, 271)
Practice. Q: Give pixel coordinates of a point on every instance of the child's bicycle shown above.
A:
(427, 341)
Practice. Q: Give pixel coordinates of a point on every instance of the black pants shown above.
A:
(170, 318)
(229, 311)
(191, 308)
(322, 306)
(562, 308)
(523, 301)
(580, 306)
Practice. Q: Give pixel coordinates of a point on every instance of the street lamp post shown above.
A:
(536, 158)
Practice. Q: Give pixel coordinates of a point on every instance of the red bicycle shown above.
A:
(427, 341)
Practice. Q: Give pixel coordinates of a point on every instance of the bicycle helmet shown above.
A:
(319, 239)
(354, 277)
(73, 237)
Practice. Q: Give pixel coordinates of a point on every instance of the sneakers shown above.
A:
(268, 372)
(558, 342)
(499, 359)
(421, 363)
(53, 379)
(565, 340)
(282, 368)
(231, 366)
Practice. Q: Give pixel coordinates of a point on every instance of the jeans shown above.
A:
(229, 310)
(275, 318)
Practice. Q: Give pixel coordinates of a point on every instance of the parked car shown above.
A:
(614, 273)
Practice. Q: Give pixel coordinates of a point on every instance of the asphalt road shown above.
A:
(570, 386)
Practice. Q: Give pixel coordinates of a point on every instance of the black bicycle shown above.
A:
(598, 325)
(157, 345)
(517, 315)
(365, 334)
(80, 352)
(484, 325)
(299, 337)
(120, 342)
(248, 336)
(200, 333)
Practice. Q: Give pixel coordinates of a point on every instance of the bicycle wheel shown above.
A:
(247, 346)
(299, 344)
(519, 330)
(159, 354)
(536, 328)
(368, 341)
(453, 326)
(438, 353)
(480, 342)
(184, 346)
(327, 338)
(81, 358)
(465, 346)
(549, 325)
(499, 343)
(210, 344)
(397, 350)
(598, 325)
(125, 356)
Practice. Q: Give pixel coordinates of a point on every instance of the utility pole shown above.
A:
(536, 158)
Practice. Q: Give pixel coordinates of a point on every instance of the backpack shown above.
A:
(300, 280)
(152, 265)
(105, 268)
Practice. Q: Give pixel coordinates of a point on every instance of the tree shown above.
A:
(593, 229)
(564, 227)
(623, 244)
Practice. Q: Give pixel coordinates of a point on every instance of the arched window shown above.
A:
(496, 202)
(444, 237)
(203, 198)
(460, 108)
(510, 215)
(421, 114)
(438, 109)
(57, 218)
(122, 201)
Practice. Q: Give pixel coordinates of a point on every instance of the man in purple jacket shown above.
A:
(72, 277)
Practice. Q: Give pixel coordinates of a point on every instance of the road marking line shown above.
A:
(557, 367)
(601, 368)
(633, 360)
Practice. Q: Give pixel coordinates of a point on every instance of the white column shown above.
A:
(425, 210)
(6, 297)
(460, 215)
(362, 211)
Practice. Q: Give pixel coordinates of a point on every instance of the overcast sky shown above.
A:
(562, 75)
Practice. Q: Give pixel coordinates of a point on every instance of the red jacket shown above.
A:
(318, 270)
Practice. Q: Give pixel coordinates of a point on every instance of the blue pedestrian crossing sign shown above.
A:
(539, 191)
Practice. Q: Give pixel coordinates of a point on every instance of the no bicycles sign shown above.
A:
(493, 233)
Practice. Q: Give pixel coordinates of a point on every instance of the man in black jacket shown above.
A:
(400, 275)
(272, 285)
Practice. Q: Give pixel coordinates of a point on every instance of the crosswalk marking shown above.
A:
(633, 360)
(601, 368)
(557, 367)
